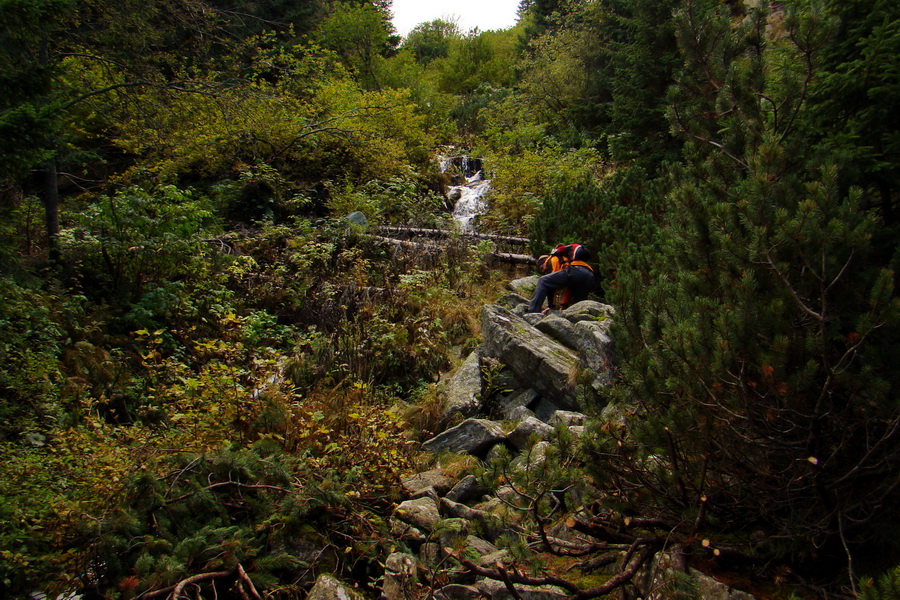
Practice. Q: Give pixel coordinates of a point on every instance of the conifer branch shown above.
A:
(771, 264)
(706, 140)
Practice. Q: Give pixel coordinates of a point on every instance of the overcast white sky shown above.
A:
(484, 14)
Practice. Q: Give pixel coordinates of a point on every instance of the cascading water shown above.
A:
(468, 197)
(471, 201)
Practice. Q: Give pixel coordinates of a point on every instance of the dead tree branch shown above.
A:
(505, 257)
(446, 233)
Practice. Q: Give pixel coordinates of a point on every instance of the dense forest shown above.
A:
(205, 366)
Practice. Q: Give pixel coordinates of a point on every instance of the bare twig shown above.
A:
(771, 264)
(245, 579)
(175, 591)
(508, 583)
(230, 483)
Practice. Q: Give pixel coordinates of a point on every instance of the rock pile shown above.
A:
(527, 382)
(518, 386)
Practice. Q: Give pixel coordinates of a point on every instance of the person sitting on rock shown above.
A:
(566, 270)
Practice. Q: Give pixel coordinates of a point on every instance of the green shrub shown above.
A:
(136, 239)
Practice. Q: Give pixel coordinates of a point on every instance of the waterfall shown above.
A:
(471, 202)
(469, 196)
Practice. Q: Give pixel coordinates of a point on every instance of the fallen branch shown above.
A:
(407, 244)
(634, 561)
(514, 577)
(505, 257)
(599, 532)
(517, 259)
(445, 233)
(230, 483)
(244, 580)
(175, 591)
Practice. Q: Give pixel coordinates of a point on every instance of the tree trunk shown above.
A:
(51, 188)
(51, 210)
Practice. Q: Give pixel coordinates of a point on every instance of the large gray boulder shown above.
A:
(560, 329)
(472, 436)
(527, 428)
(568, 418)
(329, 588)
(524, 286)
(595, 347)
(421, 513)
(463, 394)
(535, 358)
(435, 479)
(496, 590)
(468, 488)
(588, 310)
(400, 576)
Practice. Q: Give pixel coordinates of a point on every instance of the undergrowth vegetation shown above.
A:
(213, 361)
(213, 398)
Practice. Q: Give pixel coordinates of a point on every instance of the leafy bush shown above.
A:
(522, 182)
(31, 342)
(136, 239)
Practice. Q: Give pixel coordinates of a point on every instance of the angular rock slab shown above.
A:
(421, 513)
(568, 418)
(400, 576)
(464, 389)
(406, 532)
(496, 590)
(535, 358)
(560, 329)
(524, 286)
(472, 436)
(595, 347)
(520, 398)
(593, 342)
(435, 478)
(527, 428)
(589, 310)
(468, 488)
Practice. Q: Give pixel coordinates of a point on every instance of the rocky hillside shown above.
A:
(514, 405)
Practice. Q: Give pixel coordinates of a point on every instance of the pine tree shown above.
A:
(855, 109)
(754, 345)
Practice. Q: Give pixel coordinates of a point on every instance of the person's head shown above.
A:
(543, 263)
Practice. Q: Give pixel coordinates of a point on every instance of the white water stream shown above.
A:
(470, 202)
